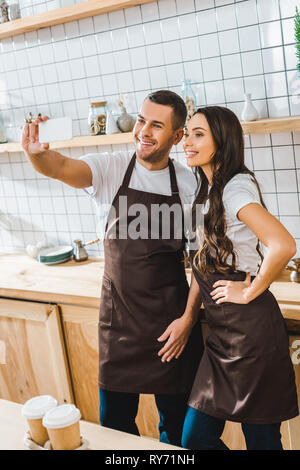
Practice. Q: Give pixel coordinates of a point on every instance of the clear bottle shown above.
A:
(3, 138)
(188, 97)
(97, 118)
(14, 12)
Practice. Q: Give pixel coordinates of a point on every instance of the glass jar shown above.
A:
(3, 12)
(97, 118)
(189, 98)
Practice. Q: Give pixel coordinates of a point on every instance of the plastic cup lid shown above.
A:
(36, 407)
(61, 416)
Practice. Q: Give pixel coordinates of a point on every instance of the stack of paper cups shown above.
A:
(62, 424)
(34, 410)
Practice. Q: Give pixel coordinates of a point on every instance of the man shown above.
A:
(144, 288)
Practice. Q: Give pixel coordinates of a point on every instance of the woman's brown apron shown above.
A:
(246, 374)
(144, 289)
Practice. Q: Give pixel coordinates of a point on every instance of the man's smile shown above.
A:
(145, 142)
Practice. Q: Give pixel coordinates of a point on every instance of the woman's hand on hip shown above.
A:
(176, 335)
(231, 291)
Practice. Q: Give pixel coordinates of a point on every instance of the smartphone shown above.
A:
(54, 130)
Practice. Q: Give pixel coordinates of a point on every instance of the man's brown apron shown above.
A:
(246, 374)
(144, 289)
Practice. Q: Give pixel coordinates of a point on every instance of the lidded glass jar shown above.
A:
(188, 97)
(97, 118)
(3, 11)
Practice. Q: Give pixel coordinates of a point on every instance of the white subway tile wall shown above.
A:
(225, 47)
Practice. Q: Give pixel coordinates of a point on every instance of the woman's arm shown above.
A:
(281, 247)
(180, 329)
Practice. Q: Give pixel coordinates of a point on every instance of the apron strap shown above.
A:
(174, 186)
(129, 171)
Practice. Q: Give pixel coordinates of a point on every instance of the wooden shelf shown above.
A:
(272, 125)
(262, 126)
(82, 141)
(65, 15)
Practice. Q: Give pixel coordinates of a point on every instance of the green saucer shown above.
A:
(55, 254)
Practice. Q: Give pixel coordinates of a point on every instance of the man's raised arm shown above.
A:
(53, 164)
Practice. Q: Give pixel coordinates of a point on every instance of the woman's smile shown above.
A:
(191, 153)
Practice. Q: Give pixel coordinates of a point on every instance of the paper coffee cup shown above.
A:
(34, 410)
(62, 424)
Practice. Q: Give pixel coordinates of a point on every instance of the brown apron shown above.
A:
(144, 289)
(246, 374)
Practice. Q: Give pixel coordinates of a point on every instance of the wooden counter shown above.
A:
(13, 427)
(77, 283)
(72, 282)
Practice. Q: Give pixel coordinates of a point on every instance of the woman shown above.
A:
(245, 374)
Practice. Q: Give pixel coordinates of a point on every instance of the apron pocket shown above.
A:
(106, 302)
(250, 330)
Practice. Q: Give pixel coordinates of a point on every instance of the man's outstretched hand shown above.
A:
(30, 137)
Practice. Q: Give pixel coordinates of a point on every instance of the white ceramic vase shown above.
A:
(111, 125)
(249, 112)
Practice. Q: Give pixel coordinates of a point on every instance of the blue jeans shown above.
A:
(118, 410)
(203, 432)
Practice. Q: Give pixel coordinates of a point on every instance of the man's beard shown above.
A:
(158, 155)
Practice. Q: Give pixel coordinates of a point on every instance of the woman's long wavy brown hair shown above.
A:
(227, 162)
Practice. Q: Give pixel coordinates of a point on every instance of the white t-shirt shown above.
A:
(239, 192)
(108, 171)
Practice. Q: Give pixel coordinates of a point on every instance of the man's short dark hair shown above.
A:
(169, 98)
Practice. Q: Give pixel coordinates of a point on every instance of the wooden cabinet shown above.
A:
(33, 359)
(51, 349)
(80, 325)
